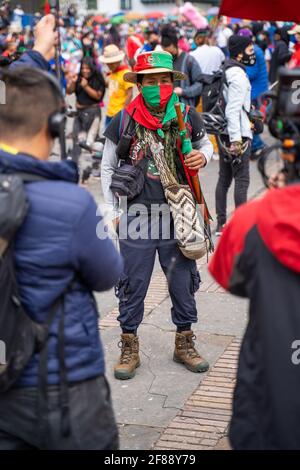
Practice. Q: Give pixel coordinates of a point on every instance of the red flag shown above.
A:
(47, 8)
(271, 10)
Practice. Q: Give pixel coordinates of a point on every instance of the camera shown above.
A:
(284, 123)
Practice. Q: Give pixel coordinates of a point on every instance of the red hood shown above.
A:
(278, 222)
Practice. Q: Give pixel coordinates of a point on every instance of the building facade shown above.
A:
(144, 6)
(110, 7)
(29, 6)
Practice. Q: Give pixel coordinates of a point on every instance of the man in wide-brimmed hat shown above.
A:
(151, 117)
(120, 92)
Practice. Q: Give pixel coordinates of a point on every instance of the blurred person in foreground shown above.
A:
(258, 258)
(57, 253)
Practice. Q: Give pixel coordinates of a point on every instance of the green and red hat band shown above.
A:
(153, 60)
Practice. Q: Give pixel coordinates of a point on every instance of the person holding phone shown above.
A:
(89, 87)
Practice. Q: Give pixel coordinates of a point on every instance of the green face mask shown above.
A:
(157, 96)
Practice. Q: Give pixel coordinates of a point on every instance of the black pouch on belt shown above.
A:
(129, 180)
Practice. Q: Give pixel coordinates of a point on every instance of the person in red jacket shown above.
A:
(295, 59)
(258, 257)
(134, 42)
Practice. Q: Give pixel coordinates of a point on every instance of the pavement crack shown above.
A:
(154, 377)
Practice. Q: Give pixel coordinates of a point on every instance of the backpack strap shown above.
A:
(124, 120)
(229, 66)
(220, 103)
(121, 124)
(64, 390)
(42, 403)
(30, 177)
(58, 307)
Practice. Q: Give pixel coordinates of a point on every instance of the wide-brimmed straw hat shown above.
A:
(295, 29)
(153, 62)
(112, 54)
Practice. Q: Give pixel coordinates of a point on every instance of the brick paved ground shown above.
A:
(204, 419)
(202, 422)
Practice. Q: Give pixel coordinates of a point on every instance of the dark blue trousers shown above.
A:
(139, 255)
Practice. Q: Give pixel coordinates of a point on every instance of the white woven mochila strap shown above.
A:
(157, 149)
(188, 230)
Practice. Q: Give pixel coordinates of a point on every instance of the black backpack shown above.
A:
(213, 101)
(213, 86)
(212, 90)
(20, 336)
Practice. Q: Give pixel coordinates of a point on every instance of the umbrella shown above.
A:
(154, 15)
(134, 16)
(120, 13)
(100, 19)
(117, 20)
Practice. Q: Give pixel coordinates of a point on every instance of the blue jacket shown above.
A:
(57, 242)
(36, 60)
(258, 74)
(32, 59)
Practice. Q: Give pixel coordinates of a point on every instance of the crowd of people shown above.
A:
(112, 50)
(129, 86)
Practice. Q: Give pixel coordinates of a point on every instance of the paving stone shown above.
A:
(207, 409)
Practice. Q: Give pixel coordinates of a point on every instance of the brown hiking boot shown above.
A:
(129, 360)
(186, 353)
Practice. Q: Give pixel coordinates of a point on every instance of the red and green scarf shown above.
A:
(143, 116)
